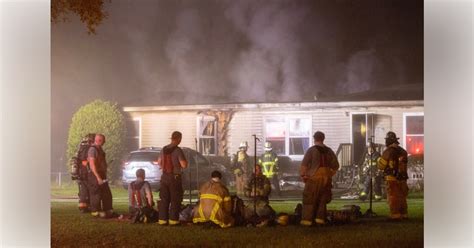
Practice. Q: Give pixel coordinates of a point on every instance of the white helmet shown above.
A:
(268, 146)
(243, 144)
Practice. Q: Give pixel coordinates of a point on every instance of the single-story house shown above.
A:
(218, 129)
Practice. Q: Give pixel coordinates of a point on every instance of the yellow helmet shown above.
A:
(283, 219)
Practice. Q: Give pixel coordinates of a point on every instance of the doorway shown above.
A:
(362, 131)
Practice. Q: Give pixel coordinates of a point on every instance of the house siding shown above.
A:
(157, 128)
(158, 125)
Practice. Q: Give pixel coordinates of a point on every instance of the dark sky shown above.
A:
(210, 51)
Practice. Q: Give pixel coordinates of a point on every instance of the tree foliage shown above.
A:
(91, 12)
(100, 117)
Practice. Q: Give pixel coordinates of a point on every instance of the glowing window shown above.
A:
(414, 133)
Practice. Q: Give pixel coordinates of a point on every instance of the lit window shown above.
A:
(288, 135)
(275, 130)
(300, 131)
(414, 134)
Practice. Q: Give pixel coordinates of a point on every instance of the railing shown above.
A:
(345, 154)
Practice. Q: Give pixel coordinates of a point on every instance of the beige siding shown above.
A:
(157, 128)
(243, 125)
(334, 122)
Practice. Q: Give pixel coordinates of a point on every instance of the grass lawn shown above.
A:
(69, 228)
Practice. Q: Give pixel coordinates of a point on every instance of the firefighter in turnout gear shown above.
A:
(370, 170)
(215, 204)
(100, 194)
(393, 162)
(172, 161)
(259, 188)
(317, 169)
(81, 171)
(269, 163)
(242, 168)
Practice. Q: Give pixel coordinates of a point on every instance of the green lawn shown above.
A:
(71, 229)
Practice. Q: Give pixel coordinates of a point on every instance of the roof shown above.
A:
(279, 106)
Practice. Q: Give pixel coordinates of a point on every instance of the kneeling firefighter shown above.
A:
(215, 204)
(258, 189)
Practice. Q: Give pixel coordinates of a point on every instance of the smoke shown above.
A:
(268, 67)
(359, 73)
(254, 56)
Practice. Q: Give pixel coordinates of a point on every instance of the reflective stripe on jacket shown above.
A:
(269, 163)
(214, 205)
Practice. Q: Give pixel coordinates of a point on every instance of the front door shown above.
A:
(361, 133)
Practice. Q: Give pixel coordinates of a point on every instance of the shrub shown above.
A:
(100, 117)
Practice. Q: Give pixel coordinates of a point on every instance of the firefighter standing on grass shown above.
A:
(171, 161)
(100, 194)
(82, 171)
(317, 169)
(269, 163)
(393, 162)
(370, 170)
(242, 168)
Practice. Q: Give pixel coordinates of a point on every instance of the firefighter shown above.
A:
(370, 170)
(100, 194)
(317, 169)
(215, 204)
(269, 162)
(242, 167)
(172, 161)
(258, 189)
(393, 162)
(140, 200)
(84, 199)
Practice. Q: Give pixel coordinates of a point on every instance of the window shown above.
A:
(414, 133)
(275, 131)
(288, 135)
(207, 135)
(300, 131)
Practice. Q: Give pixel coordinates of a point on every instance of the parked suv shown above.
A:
(198, 171)
(144, 158)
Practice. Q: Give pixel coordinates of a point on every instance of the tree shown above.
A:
(91, 12)
(100, 117)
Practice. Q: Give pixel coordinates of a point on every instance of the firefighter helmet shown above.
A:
(283, 219)
(243, 144)
(268, 146)
(391, 138)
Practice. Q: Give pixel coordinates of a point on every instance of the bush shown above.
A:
(99, 117)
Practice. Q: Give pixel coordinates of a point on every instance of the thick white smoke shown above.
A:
(269, 66)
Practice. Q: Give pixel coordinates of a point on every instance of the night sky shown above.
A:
(209, 51)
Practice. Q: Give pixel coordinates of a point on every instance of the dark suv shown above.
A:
(198, 171)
